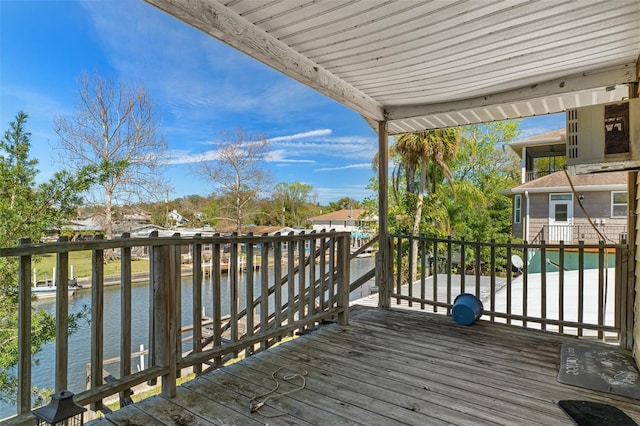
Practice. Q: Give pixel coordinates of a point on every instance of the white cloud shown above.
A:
(309, 134)
(345, 167)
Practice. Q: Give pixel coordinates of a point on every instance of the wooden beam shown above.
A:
(624, 74)
(213, 18)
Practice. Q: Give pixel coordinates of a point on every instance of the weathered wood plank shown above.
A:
(132, 415)
(179, 410)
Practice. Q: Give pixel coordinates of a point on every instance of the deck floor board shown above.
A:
(387, 367)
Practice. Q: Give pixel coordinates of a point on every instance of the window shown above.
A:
(619, 204)
(517, 209)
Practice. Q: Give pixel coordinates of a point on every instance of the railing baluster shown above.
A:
(463, 267)
(493, 279)
(410, 277)
(177, 297)
(277, 278)
(543, 285)
(311, 309)
(62, 319)
(602, 288)
(232, 274)
(24, 331)
(509, 281)
(435, 274)
(478, 260)
(264, 290)
(291, 282)
(525, 281)
(449, 270)
(398, 268)
(561, 286)
(423, 268)
(343, 280)
(152, 326)
(216, 309)
(580, 285)
(301, 280)
(196, 306)
(249, 297)
(97, 319)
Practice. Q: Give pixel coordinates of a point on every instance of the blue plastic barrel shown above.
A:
(467, 308)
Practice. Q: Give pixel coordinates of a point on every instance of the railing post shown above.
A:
(343, 279)
(24, 331)
(196, 266)
(125, 312)
(97, 320)
(62, 319)
(164, 312)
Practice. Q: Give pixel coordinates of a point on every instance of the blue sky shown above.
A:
(200, 86)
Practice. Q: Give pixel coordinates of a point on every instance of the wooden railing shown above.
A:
(299, 287)
(581, 289)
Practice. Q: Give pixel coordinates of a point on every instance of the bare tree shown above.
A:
(114, 131)
(238, 172)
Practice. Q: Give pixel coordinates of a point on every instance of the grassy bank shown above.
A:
(81, 261)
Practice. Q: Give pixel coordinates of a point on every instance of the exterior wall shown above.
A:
(598, 204)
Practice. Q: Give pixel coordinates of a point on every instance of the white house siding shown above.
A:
(636, 323)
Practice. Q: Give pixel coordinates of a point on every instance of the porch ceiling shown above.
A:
(427, 64)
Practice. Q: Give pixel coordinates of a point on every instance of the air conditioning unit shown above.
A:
(603, 138)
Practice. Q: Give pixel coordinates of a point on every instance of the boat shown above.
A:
(47, 289)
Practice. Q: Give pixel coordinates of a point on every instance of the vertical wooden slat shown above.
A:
(561, 286)
(322, 288)
(478, 265)
(435, 274)
(277, 281)
(525, 281)
(463, 266)
(602, 293)
(620, 300)
(543, 285)
(509, 280)
(332, 272)
(449, 269)
(196, 263)
(410, 241)
(302, 280)
(177, 297)
(264, 290)
(62, 319)
(233, 289)
(423, 267)
(249, 299)
(291, 286)
(152, 326)
(125, 311)
(312, 275)
(398, 268)
(97, 320)
(343, 279)
(24, 331)
(580, 285)
(492, 297)
(166, 328)
(216, 308)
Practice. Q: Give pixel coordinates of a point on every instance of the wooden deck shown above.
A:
(385, 368)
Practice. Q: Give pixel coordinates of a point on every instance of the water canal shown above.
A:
(80, 342)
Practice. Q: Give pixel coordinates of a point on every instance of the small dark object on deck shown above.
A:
(467, 308)
(589, 413)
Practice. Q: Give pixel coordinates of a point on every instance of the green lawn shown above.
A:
(81, 261)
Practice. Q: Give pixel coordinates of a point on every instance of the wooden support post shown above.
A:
(176, 291)
(125, 314)
(62, 319)
(97, 320)
(152, 326)
(343, 279)
(24, 332)
(383, 281)
(164, 312)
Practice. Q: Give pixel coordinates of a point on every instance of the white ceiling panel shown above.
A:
(434, 63)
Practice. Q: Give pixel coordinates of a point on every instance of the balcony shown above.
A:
(345, 363)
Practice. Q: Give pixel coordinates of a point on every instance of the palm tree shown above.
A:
(429, 153)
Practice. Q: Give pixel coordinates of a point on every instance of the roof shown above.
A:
(345, 214)
(547, 144)
(558, 182)
(429, 64)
